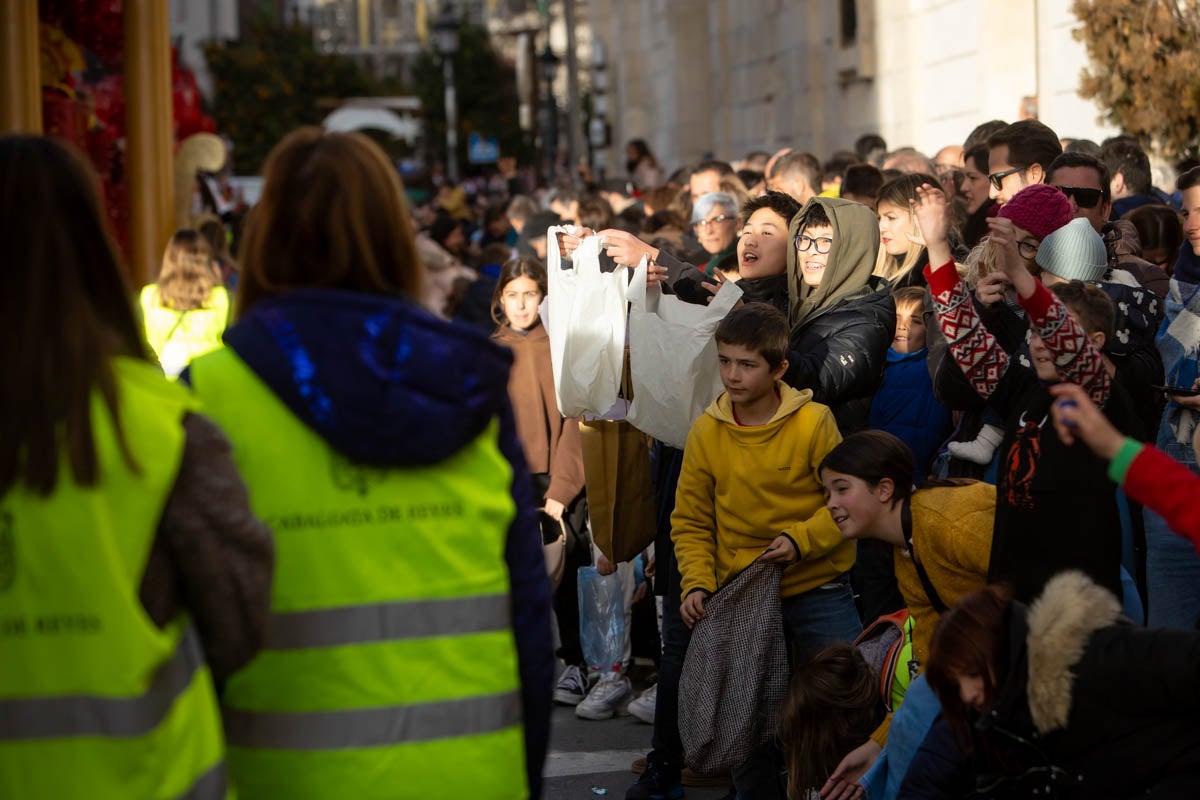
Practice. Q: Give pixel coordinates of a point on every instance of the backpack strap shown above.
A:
(930, 592)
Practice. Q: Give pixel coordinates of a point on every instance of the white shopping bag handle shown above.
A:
(587, 252)
(636, 293)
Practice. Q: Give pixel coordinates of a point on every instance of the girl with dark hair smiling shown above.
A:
(940, 535)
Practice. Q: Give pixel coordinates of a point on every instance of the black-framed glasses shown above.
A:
(821, 244)
(704, 223)
(1084, 198)
(1028, 249)
(997, 178)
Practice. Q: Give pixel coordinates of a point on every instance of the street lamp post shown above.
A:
(445, 34)
(549, 65)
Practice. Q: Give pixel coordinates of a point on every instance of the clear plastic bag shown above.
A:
(601, 619)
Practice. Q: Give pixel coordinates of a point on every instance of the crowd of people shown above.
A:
(281, 520)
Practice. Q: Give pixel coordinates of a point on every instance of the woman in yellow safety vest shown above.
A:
(132, 571)
(409, 652)
(186, 310)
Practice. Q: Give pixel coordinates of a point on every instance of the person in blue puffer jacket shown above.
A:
(905, 405)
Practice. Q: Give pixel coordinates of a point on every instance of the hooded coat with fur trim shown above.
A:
(1089, 705)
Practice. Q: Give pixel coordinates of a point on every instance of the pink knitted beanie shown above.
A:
(1039, 209)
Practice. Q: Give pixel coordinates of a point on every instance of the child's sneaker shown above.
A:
(571, 687)
(605, 697)
(658, 781)
(643, 707)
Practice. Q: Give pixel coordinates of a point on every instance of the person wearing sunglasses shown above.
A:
(1085, 181)
(1018, 156)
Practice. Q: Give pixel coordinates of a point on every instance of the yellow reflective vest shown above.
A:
(390, 667)
(96, 701)
(178, 337)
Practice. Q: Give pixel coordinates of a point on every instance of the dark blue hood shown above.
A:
(380, 379)
(1187, 267)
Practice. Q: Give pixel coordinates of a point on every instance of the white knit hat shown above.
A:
(1074, 252)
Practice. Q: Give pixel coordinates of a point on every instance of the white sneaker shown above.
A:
(605, 697)
(571, 687)
(643, 707)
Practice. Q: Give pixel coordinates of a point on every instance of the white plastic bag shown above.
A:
(673, 358)
(587, 311)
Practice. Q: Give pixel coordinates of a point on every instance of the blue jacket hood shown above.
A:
(380, 379)
(894, 356)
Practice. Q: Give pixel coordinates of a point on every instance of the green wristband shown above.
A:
(1119, 466)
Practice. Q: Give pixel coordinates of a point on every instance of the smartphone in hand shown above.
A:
(1179, 390)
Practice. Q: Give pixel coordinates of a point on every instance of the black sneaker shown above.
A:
(572, 687)
(660, 781)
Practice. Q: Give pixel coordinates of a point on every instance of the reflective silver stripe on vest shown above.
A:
(294, 630)
(371, 727)
(88, 715)
(212, 785)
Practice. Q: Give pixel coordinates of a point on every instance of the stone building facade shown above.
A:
(725, 77)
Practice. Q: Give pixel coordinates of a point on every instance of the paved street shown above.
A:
(586, 754)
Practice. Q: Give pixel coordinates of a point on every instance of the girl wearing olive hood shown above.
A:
(842, 322)
(842, 318)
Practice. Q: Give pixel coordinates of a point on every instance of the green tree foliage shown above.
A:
(1145, 69)
(269, 82)
(486, 88)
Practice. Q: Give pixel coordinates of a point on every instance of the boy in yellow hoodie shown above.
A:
(749, 489)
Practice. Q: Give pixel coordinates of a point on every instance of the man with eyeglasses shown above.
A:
(1085, 181)
(1018, 156)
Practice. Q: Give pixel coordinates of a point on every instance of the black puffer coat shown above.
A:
(842, 328)
(840, 353)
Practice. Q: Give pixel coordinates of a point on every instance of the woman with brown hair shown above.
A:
(552, 449)
(186, 311)
(1063, 698)
(410, 643)
(132, 572)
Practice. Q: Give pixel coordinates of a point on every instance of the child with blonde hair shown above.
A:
(185, 312)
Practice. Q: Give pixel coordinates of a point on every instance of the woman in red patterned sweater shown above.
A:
(1056, 508)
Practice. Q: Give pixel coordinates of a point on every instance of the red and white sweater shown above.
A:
(982, 359)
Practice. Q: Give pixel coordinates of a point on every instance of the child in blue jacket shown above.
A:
(904, 405)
